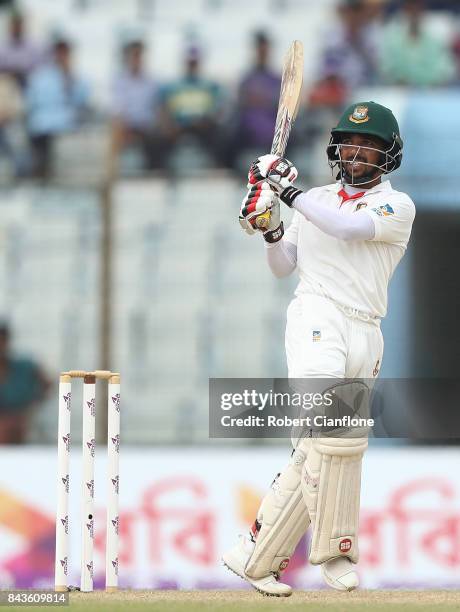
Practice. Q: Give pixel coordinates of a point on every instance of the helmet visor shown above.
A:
(351, 165)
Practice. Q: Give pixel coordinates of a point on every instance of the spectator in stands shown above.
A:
(18, 54)
(348, 61)
(411, 54)
(376, 11)
(330, 91)
(11, 106)
(135, 99)
(443, 5)
(351, 45)
(191, 108)
(453, 6)
(456, 55)
(257, 103)
(56, 98)
(22, 385)
(325, 100)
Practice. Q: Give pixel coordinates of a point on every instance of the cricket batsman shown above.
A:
(345, 241)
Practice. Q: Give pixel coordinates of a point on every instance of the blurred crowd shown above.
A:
(23, 384)
(155, 126)
(371, 42)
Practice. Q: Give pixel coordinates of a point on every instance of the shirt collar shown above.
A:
(383, 186)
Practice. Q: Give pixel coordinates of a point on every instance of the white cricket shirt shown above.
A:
(354, 273)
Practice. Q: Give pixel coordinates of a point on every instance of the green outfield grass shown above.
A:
(233, 601)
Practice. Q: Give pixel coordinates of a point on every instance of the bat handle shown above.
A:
(262, 221)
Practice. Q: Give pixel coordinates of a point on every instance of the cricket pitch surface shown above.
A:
(249, 601)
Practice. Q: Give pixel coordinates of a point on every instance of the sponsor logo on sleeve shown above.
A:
(384, 211)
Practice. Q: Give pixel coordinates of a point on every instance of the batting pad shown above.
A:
(284, 519)
(331, 486)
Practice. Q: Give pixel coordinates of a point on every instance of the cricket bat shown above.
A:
(288, 106)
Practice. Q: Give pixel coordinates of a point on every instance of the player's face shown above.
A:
(359, 151)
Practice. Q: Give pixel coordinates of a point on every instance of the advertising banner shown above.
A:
(182, 507)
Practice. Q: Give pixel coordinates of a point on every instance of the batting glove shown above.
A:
(260, 199)
(279, 172)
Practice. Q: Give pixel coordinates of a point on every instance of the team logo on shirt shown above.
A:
(384, 211)
(359, 115)
(360, 205)
(316, 335)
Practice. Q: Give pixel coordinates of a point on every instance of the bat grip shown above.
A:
(263, 221)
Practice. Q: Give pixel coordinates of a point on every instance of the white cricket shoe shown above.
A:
(237, 557)
(339, 574)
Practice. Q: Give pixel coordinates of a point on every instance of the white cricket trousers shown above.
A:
(323, 342)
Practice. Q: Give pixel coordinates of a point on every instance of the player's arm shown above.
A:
(280, 174)
(282, 255)
(389, 222)
(340, 224)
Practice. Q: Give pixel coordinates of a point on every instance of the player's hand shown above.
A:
(260, 199)
(278, 171)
